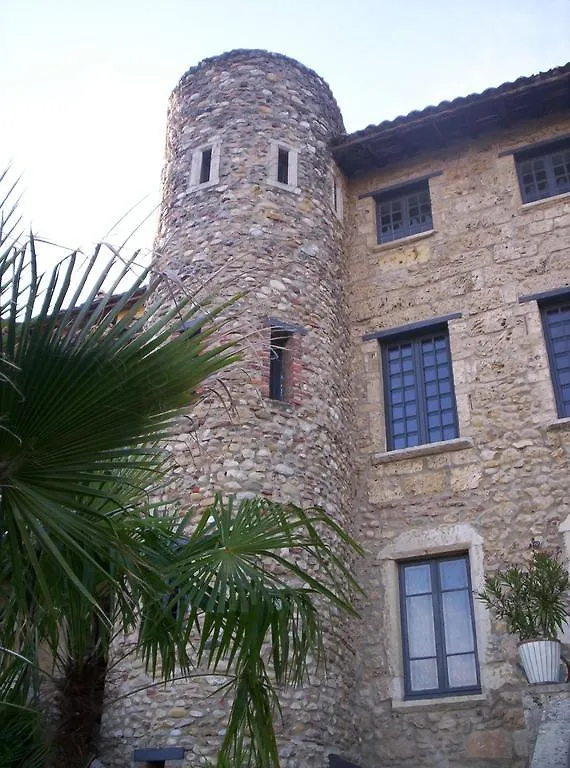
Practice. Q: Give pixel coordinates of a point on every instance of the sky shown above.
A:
(84, 84)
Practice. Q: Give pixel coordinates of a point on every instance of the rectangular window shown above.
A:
(556, 324)
(418, 389)
(206, 165)
(283, 166)
(279, 364)
(403, 213)
(545, 172)
(438, 629)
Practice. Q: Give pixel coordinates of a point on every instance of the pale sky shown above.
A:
(84, 84)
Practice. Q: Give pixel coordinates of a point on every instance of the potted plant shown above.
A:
(531, 600)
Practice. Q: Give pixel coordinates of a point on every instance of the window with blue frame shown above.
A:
(556, 324)
(418, 387)
(544, 172)
(403, 213)
(438, 628)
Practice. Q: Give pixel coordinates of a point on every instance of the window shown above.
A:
(402, 212)
(282, 169)
(336, 196)
(283, 165)
(205, 166)
(418, 389)
(279, 364)
(544, 172)
(438, 629)
(556, 324)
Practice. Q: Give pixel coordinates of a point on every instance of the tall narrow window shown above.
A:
(278, 364)
(418, 387)
(556, 324)
(206, 165)
(283, 165)
(438, 629)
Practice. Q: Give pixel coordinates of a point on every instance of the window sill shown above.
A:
(402, 241)
(439, 702)
(203, 185)
(545, 201)
(444, 446)
(562, 425)
(285, 187)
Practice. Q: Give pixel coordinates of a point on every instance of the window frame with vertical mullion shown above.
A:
(562, 405)
(441, 655)
(415, 340)
(547, 157)
(403, 197)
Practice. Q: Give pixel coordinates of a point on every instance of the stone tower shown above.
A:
(252, 202)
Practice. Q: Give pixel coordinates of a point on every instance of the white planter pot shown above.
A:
(541, 660)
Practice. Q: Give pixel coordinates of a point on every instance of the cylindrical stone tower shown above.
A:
(252, 203)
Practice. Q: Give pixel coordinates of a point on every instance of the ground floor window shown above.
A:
(439, 643)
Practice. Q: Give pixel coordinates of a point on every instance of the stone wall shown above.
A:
(504, 481)
(283, 247)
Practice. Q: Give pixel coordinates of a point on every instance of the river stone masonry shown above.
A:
(282, 244)
(254, 203)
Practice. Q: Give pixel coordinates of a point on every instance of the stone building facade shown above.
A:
(407, 323)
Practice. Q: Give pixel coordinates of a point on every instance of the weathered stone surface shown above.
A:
(489, 745)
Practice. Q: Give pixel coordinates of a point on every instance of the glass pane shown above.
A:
(423, 675)
(418, 579)
(453, 574)
(421, 633)
(462, 671)
(457, 622)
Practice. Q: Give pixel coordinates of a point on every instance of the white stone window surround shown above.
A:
(196, 165)
(292, 167)
(429, 542)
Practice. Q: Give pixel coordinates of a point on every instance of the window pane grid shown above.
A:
(556, 322)
(544, 176)
(404, 215)
(438, 632)
(418, 382)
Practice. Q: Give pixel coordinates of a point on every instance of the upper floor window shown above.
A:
(205, 166)
(544, 172)
(438, 629)
(418, 386)
(404, 211)
(556, 324)
(282, 169)
(279, 364)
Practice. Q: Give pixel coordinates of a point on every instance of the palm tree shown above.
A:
(91, 386)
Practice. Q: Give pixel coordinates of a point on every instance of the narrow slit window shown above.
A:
(279, 364)
(206, 165)
(283, 165)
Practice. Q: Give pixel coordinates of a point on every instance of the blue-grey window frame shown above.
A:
(403, 196)
(444, 689)
(415, 339)
(562, 405)
(546, 154)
